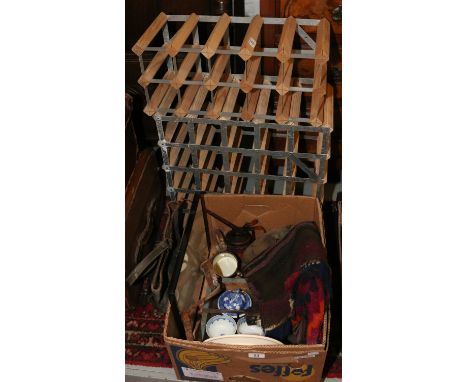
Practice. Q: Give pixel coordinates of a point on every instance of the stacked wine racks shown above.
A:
(221, 131)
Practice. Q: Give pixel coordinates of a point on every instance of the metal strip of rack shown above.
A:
(234, 50)
(233, 122)
(246, 20)
(315, 179)
(303, 89)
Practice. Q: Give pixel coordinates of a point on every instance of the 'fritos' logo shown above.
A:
(199, 360)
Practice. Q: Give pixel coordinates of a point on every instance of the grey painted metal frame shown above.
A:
(233, 50)
(290, 157)
(234, 84)
(245, 20)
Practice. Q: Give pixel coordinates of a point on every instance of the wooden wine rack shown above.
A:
(220, 130)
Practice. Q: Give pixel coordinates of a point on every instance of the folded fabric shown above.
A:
(267, 273)
(310, 290)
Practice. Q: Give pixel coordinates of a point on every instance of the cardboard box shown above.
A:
(199, 361)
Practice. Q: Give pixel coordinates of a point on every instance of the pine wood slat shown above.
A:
(209, 181)
(212, 181)
(320, 73)
(318, 103)
(185, 68)
(150, 34)
(184, 179)
(328, 108)
(216, 72)
(322, 47)
(283, 108)
(179, 137)
(173, 46)
(207, 159)
(235, 159)
(216, 36)
(284, 77)
(196, 105)
(188, 97)
(158, 94)
(219, 99)
(249, 109)
(182, 134)
(230, 101)
(251, 38)
(295, 109)
(171, 127)
(318, 92)
(234, 137)
(250, 74)
(167, 100)
(250, 105)
(265, 134)
(169, 131)
(152, 68)
(262, 104)
(286, 40)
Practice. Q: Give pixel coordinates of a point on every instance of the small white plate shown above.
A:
(243, 339)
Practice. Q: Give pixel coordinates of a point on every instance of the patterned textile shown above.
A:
(310, 295)
(144, 342)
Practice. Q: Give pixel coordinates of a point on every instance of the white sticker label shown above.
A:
(308, 355)
(252, 42)
(256, 355)
(192, 373)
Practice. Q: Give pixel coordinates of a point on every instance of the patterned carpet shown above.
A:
(144, 342)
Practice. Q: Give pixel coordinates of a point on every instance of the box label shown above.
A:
(256, 355)
(308, 355)
(192, 373)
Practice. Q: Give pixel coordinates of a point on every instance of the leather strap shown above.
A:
(191, 311)
(155, 262)
(148, 260)
(210, 275)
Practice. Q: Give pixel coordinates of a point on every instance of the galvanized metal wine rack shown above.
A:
(219, 131)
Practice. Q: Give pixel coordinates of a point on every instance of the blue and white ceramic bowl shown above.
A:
(220, 325)
(234, 300)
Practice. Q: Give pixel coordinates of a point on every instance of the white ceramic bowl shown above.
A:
(220, 325)
(225, 264)
(244, 328)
